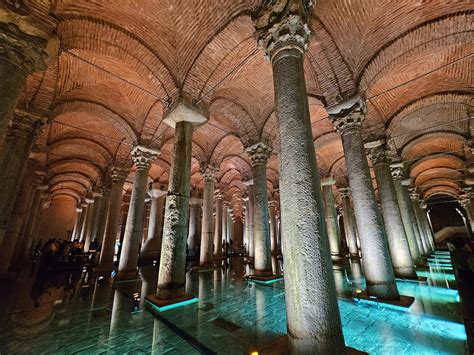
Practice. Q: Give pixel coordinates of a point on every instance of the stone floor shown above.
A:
(59, 313)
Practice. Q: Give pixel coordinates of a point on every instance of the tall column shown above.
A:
(22, 132)
(13, 229)
(405, 183)
(250, 211)
(415, 200)
(142, 157)
(218, 227)
(225, 230)
(102, 214)
(350, 227)
(92, 215)
(151, 250)
(191, 241)
(77, 223)
(106, 261)
(330, 215)
(81, 229)
(404, 205)
(87, 226)
(245, 200)
(347, 118)
(259, 154)
(171, 279)
(426, 222)
(313, 319)
(98, 200)
(208, 172)
(273, 228)
(395, 231)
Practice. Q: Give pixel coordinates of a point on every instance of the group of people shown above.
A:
(57, 251)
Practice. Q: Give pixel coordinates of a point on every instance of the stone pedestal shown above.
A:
(208, 172)
(397, 239)
(350, 227)
(106, 261)
(313, 320)
(330, 216)
(142, 157)
(347, 118)
(259, 154)
(151, 250)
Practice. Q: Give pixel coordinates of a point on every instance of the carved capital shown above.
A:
(208, 171)
(143, 157)
(105, 190)
(397, 171)
(25, 125)
(219, 197)
(78, 209)
(118, 175)
(283, 24)
(377, 155)
(259, 153)
(348, 114)
(415, 196)
(345, 192)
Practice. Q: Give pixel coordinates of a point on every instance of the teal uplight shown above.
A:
(436, 275)
(266, 282)
(172, 306)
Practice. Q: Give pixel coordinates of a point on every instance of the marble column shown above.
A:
(192, 239)
(404, 205)
(87, 226)
(259, 154)
(142, 157)
(395, 231)
(245, 203)
(171, 279)
(13, 229)
(92, 219)
(250, 210)
(415, 200)
(81, 229)
(106, 261)
(208, 172)
(151, 250)
(218, 225)
(414, 222)
(102, 214)
(77, 223)
(350, 227)
(272, 205)
(347, 118)
(22, 132)
(426, 224)
(313, 320)
(330, 216)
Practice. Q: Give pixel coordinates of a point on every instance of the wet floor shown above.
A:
(74, 312)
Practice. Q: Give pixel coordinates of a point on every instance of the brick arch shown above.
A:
(434, 143)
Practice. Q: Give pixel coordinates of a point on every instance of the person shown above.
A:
(94, 246)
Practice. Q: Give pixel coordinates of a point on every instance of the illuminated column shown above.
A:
(106, 262)
(350, 227)
(405, 205)
(22, 132)
(151, 250)
(426, 224)
(330, 215)
(102, 213)
(77, 223)
(273, 228)
(394, 229)
(92, 221)
(171, 279)
(250, 211)
(347, 118)
(208, 172)
(142, 157)
(193, 237)
(415, 200)
(313, 320)
(225, 231)
(86, 227)
(218, 227)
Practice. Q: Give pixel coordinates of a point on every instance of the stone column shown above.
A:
(13, 229)
(191, 240)
(87, 226)
(330, 215)
(250, 211)
(77, 224)
(83, 205)
(245, 204)
(411, 212)
(426, 224)
(142, 157)
(171, 279)
(404, 204)
(273, 227)
(22, 132)
(106, 261)
(347, 118)
(208, 172)
(395, 231)
(350, 227)
(415, 200)
(92, 215)
(151, 250)
(313, 320)
(218, 227)
(259, 154)
(98, 200)
(102, 214)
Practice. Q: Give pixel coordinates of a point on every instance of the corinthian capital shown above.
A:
(376, 152)
(118, 175)
(349, 114)
(283, 24)
(143, 157)
(345, 192)
(397, 171)
(259, 153)
(208, 171)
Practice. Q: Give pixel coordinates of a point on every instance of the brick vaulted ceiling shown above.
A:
(123, 62)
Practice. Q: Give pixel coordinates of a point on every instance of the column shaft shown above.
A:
(218, 227)
(151, 250)
(273, 227)
(350, 227)
(205, 257)
(332, 227)
(251, 228)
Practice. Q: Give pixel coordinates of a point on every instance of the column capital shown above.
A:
(397, 171)
(208, 171)
(272, 204)
(345, 192)
(218, 196)
(185, 111)
(328, 181)
(283, 24)
(24, 124)
(349, 114)
(78, 209)
(89, 200)
(415, 196)
(105, 190)
(143, 157)
(259, 153)
(376, 152)
(118, 174)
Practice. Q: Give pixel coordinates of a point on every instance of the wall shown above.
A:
(58, 219)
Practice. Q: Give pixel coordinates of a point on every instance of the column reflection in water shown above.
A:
(119, 320)
(149, 277)
(276, 266)
(339, 280)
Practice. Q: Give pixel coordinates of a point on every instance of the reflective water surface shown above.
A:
(75, 312)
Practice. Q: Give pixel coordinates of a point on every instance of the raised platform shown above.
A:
(364, 297)
(159, 305)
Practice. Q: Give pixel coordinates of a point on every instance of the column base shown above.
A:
(354, 256)
(403, 301)
(338, 258)
(126, 275)
(149, 257)
(155, 304)
(266, 280)
(405, 273)
(281, 347)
